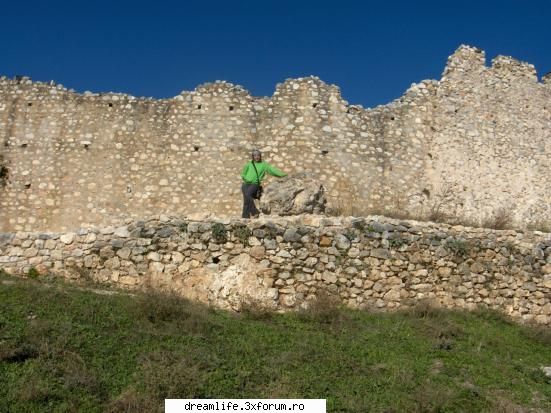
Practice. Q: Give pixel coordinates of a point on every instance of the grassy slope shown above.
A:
(64, 349)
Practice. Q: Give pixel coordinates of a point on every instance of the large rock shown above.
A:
(294, 195)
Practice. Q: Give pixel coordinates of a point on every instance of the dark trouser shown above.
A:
(249, 208)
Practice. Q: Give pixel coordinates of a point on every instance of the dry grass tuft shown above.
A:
(256, 310)
(132, 401)
(501, 219)
(326, 309)
(173, 312)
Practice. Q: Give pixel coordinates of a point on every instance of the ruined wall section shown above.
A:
(213, 128)
(491, 140)
(403, 130)
(474, 142)
(309, 125)
(286, 263)
(75, 159)
(367, 159)
(69, 155)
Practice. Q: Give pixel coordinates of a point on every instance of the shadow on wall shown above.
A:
(4, 172)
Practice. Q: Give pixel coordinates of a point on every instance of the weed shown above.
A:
(431, 398)
(441, 200)
(77, 375)
(501, 219)
(436, 215)
(270, 232)
(171, 311)
(538, 333)
(254, 310)
(158, 307)
(36, 390)
(219, 232)
(437, 324)
(132, 400)
(396, 242)
(167, 374)
(18, 352)
(183, 227)
(84, 274)
(325, 309)
(33, 273)
(359, 224)
(488, 314)
(242, 233)
(458, 246)
(350, 234)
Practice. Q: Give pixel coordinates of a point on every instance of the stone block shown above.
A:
(67, 238)
(257, 252)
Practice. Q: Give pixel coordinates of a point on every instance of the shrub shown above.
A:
(132, 400)
(171, 312)
(501, 219)
(359, 224)
(255, 310)
(458, 246)
(242, 233)
(437, 215)
(219, 232)
(396, 242)
(33, 273)
(270, 232)
(350, 234)
(325, 309)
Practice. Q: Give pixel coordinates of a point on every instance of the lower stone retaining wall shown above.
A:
(284, 263)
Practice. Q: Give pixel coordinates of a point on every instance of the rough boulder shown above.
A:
(294, 195)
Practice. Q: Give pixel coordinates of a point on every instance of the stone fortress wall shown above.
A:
(472, 143)
(284, 263)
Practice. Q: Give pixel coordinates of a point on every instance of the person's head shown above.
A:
(256, 155)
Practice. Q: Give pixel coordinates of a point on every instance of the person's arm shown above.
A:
(244, 171)
(272, 170)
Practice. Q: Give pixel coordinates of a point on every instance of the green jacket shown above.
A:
(249, 175)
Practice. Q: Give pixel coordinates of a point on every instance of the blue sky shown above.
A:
(372, 50)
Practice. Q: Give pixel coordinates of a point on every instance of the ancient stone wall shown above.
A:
(491, 143)
(285, 263)
(471, 144)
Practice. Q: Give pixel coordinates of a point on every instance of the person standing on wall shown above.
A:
(252, 174)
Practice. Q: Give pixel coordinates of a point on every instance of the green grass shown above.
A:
(64, 349)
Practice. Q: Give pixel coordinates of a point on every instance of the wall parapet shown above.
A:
(285, 263)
